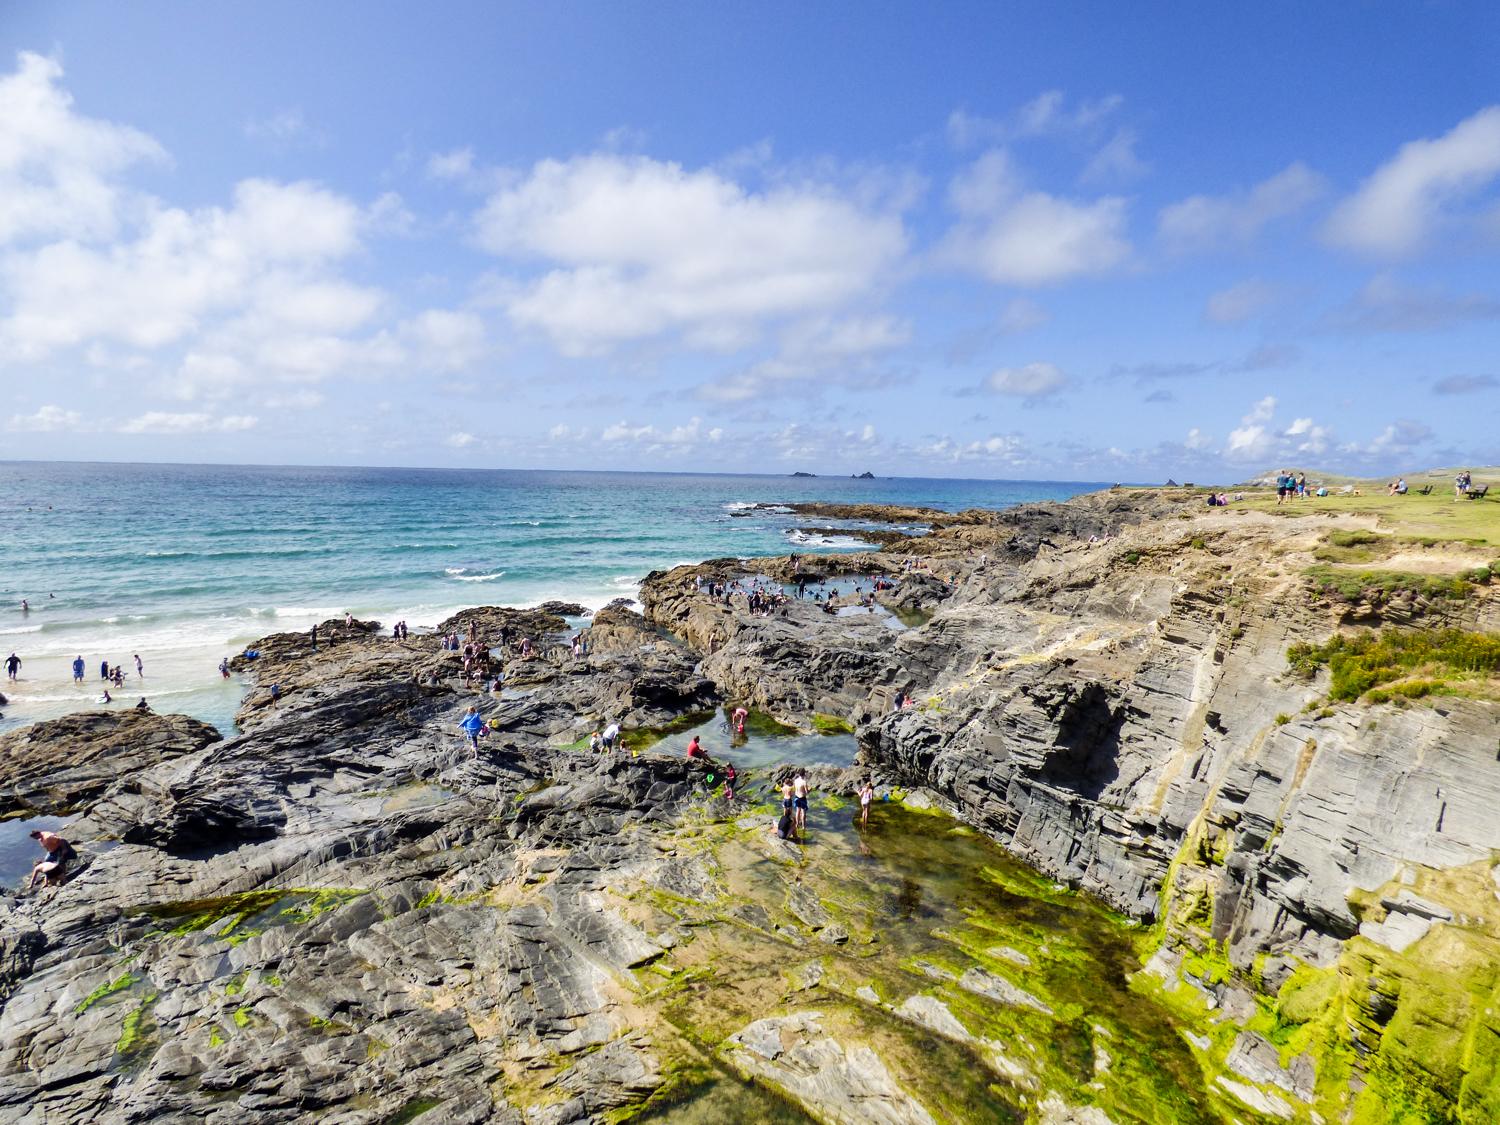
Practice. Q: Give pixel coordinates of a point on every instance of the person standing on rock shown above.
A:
(314, 635)
(799, 801)
(866, 796)
(12, 666)
(471, 725)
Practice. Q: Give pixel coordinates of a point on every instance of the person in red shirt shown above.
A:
(695, 748)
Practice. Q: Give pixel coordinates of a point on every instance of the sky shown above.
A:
(1090, 241)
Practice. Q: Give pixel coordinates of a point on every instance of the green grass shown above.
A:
(1436, 518)
(1357, 585)
(1366, 662)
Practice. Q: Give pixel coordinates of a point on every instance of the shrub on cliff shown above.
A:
(1357, 664)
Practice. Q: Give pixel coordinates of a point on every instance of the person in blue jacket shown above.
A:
(471, 725)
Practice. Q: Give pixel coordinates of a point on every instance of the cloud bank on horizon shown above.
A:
(1071, 268)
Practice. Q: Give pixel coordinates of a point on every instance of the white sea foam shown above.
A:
(740, 505)
(454, 569)
(480, 577)
(320, 612)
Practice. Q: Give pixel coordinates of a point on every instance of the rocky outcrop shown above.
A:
(55, 767)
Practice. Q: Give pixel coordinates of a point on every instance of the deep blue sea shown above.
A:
(185, 564)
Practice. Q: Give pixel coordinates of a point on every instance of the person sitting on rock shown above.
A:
(142, 705)
(60, 853)
(695, 748)
(596, 742)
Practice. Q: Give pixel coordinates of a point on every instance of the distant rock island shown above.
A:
(866, 475)
(799, 474)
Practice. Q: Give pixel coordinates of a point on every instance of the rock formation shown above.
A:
(343, 911)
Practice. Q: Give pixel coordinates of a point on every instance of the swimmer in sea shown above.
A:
(105, 697)
(224, 667)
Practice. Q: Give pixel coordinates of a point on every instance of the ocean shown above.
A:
(186, 564)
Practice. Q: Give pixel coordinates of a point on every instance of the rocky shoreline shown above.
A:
(344, 911)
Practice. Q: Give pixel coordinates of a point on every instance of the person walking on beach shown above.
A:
(140, 669)
(12, 666)
(866, 795)
(78, 669)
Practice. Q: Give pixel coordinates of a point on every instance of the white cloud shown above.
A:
(1206, 222)
(48, 419)
(1393, 212)
(460, 440)
(1252, 439)
(162, 422)
(1022, 315)
(636, 248)
(457, 164)
(286, 127)
(1029, 238)
(444, 340)
(1197, 439)
(1035, 380)
(1048, 114)
(155, 290)
(1116, 160)
(56, 166)
(1239, 302)
(691, 434)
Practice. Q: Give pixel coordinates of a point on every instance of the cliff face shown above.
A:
(1121, 714)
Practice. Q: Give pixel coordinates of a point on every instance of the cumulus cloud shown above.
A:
(1033, 381)
(1029, 238)
(1239, 302)
(47, 419)
(1252, 438)
(653, 438)
(1465, 384)
(1394, 211)
(57, 167)
(163, 422)
(1208, 222)
(460, 440)
(635, 248)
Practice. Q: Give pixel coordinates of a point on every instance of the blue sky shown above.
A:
(1092, 241)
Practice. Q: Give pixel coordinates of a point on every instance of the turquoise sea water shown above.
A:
(185, 564)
